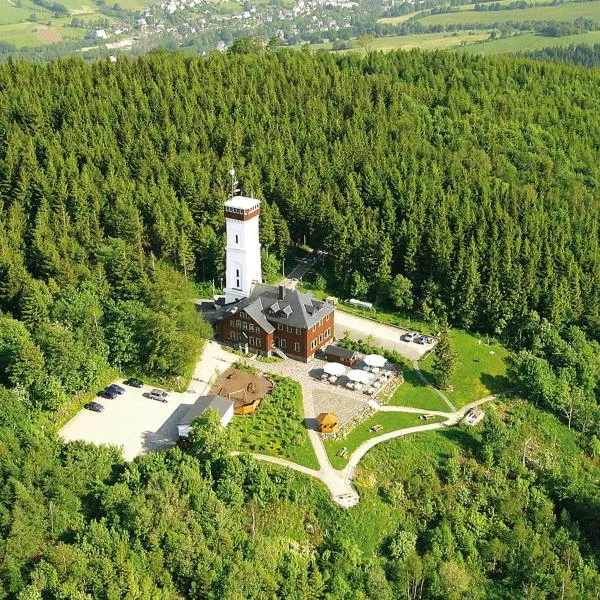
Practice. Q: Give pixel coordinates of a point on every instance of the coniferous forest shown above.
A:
(477, 179)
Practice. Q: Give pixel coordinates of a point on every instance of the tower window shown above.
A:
(237, 272)
(237, 238)
(237, 284)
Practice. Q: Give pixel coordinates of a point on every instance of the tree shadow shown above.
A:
(166, 435)
(311, 423)
(462, 437)
(495, 383)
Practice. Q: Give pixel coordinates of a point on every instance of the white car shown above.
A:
(410, 336)
(160, 395)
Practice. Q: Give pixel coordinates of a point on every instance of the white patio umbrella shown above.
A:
(359, 376)
(374, 360)
(334, 368)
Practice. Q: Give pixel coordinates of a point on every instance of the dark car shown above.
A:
(108, 394)
(113, 387)
(136, 383)
(94, 406)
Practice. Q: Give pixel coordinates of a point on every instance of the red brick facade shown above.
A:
(298, 343)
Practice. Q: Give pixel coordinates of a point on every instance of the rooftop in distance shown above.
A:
(242, 202)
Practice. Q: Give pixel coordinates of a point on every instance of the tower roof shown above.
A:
(242, 202)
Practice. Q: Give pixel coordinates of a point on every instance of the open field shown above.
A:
(532, 41)
(36, 34)
(564, 12)
(390, 422)
(481, 368)
(427, 41)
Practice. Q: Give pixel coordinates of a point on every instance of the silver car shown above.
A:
(160, 395)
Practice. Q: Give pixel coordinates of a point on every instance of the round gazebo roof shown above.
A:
(327, 419)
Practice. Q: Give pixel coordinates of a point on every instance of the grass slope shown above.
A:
(482, 368)
(390, 422)
(277, 428)
(413, 392)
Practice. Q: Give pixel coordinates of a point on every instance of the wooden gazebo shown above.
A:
(328, 422)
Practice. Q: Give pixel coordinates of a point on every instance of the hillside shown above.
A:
(453, 189)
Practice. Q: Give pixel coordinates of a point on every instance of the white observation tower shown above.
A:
(243, 247)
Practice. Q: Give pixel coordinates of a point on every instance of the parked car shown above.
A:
(94, 406)
(159, 395)
(108, 394)
(422, 339)
(410, 336)
(136, 383)
(116, 388)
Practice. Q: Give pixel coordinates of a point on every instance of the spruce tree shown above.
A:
(446, 361)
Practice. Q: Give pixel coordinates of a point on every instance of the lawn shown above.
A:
(482, 367)
(532, 41)
(277, 428)
(413, 392)
(564, 12)
(390, 422)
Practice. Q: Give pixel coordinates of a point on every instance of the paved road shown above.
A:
(301, 268)
(386, 336)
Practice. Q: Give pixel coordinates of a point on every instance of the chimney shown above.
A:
(281, 292)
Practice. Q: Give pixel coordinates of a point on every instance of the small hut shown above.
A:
(328, 422)
(342, 355)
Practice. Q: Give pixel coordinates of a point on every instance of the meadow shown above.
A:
(531, 41)
(564, 12)
(482, 368)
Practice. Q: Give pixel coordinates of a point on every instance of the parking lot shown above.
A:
(138, 424)
(386, 336)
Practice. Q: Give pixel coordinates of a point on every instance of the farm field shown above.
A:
(36, 34)
(532, 41)
(427, 41)
(564, 12)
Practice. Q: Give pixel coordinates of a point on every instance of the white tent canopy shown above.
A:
(334, 368)
(374, 360)
(359, 376)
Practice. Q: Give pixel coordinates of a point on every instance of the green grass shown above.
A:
(565, 12)
(413, 392)
(36, 34)
(427, 41)
(532, 41)
(277, 428)
(391, 421)
(481, 369)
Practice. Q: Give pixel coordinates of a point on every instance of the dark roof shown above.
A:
(264, 306)
(338, 351)
(219, 403)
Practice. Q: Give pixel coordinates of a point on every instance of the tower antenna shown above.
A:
(234, 182)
